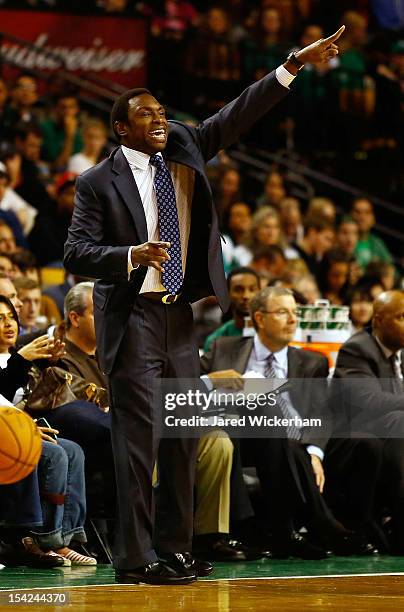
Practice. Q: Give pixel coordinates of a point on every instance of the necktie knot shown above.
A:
(156, 160)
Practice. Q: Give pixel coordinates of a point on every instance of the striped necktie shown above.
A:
(293, 432)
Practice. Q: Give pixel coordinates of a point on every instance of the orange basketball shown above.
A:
(20, 445)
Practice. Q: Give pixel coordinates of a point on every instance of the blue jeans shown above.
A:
(63, 495)
(20, 503)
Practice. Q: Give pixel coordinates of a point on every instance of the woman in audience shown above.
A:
(94, 143)
(335, 280)
(361, 309)
(274, 191)
(265, 232)
(61, 466)
(237, 225)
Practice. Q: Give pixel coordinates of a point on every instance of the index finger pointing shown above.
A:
(335, 36)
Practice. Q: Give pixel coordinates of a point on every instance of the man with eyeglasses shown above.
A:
(289, 465)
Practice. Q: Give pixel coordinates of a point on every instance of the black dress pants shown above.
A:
(158, 342)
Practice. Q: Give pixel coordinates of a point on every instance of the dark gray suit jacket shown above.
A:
(109, 217)
(308, 398)
(363, 385)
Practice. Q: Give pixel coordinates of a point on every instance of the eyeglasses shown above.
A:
(282, 313)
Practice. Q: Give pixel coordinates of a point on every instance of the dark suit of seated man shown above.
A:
(293, 463)
(373, 401)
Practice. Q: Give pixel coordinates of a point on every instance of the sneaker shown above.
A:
(75, 558)
(66, 561)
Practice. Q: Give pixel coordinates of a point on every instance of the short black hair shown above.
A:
(24, 259)
(319, 224)
(362, 292)
(242, 270)
(23, 129)
(269, 252)
(120, 108)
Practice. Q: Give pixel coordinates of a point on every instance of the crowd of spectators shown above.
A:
(314, 248)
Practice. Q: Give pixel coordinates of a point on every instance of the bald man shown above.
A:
(372, 406)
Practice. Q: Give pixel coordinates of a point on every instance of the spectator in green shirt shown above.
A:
(62, 134)
(369, 246)
(243, 284)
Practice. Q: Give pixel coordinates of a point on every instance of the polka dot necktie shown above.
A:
(172, 277)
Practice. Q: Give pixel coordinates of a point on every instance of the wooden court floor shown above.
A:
(345, 594)
(346, 585)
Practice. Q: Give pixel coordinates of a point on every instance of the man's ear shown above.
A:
(74, 319)
(258, 319)
(121, 128)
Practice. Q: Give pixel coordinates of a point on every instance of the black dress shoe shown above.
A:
(295, 545)
(231, 550)
(354, 544)
(154, 573)
(186, 561)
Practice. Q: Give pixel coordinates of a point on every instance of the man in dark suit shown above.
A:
(130, 210)
(369, 389)
(295, 459)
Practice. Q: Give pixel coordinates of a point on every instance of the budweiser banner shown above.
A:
(113, 48)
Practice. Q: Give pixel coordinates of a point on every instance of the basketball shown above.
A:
(20, 445)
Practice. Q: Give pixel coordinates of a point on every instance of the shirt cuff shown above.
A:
(315, 450)
(130, 265)
(283, 76)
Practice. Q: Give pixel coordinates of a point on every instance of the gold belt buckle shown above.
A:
(169, 298)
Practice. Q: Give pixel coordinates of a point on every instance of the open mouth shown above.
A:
(158, 134)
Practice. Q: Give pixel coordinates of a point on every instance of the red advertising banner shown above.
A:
(112, 48)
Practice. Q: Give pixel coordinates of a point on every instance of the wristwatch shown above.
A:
(294, 60)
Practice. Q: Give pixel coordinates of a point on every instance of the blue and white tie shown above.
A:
(172, 277)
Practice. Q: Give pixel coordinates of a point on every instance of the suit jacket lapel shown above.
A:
(241, 354)
(127, 188)
(294, 363)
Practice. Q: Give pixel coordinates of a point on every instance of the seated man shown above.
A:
(29, 292)
(273, 311)
(242, 283)
(372, 405)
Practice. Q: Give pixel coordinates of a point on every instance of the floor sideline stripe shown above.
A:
(117, 584)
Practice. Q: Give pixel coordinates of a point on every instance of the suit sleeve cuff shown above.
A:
(130, 265)
(315, 450)
(207, 381)
(284, 77)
